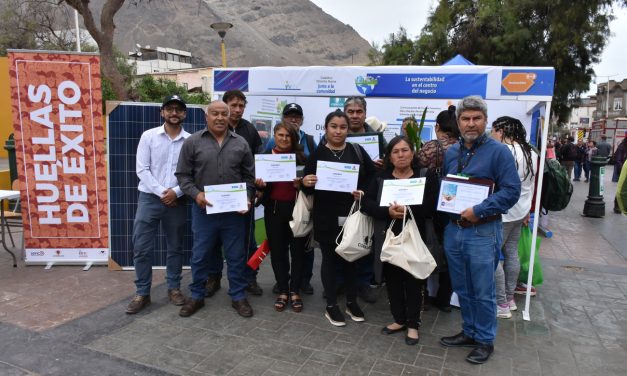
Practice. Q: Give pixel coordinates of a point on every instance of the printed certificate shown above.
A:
(403, 191)
(226, 198)
(337, 177)
(370, 143)
(457, 195)
(275, 167)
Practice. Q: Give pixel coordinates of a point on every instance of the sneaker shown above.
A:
(502, 311)
(335, 316)
(512, 304)
(212, 286)
(137, 304)
(367, 294)
(254, 289)
(521, 289)
(354, 312)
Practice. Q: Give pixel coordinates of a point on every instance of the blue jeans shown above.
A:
(209, 230)
(216, 261)
(472, 254)
(578, 168)
(151, 213)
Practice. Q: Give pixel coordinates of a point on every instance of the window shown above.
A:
(618, 104)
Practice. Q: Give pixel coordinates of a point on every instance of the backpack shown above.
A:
(556, 186)
(571, 154)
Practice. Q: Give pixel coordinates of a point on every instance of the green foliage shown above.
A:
(414, 130)
(150, 90)
(569, 36)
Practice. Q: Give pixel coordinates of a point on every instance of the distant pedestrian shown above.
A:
(604, 147)
(581, 159)
(591, 151)
(568, 155)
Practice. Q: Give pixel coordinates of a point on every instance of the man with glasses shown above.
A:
(160, 202)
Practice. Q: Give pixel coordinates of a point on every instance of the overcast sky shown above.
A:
(375, 22)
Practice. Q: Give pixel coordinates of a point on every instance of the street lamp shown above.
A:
(221, 28)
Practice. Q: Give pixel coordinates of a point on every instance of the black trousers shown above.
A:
(277, 215)
(406, 295)
(332, 264)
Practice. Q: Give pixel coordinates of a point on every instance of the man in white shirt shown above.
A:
(160, 202)
(511, 132)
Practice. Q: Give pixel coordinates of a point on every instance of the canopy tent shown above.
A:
(394, 92)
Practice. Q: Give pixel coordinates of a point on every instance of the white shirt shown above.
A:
(157, 157)
(523, 206)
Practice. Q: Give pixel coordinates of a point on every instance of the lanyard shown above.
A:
(461, 164)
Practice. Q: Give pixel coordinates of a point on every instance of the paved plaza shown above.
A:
(65, 321)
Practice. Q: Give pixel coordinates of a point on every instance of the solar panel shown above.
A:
(125, 125)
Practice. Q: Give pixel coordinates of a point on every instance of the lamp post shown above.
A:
(221, 28)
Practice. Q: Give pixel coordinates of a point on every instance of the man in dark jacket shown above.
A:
(568, 154)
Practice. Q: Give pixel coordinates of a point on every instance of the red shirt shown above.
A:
(283, 190)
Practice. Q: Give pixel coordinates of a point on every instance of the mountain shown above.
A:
(265, 32)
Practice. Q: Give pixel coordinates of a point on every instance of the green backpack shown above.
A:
(556, 186)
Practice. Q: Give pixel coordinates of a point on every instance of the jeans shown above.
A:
(209, 230)
(151, 213)
(472, 254)
(578, 168)
(216, 261)
(586, 169)
(507, 273)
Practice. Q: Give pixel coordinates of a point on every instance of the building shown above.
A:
(611, 104)
(194, 79)
(159, 59)
(582, 113)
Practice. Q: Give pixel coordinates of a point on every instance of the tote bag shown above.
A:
(356, 235)
(407, 250)
(302, 223)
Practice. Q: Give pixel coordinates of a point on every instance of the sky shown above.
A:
(375, 23)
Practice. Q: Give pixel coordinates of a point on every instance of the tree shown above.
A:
(568, 36)
(398, 49)
(103, 35)
(150, 90)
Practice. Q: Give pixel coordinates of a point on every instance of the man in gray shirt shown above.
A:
(216, 155)
(604, 148)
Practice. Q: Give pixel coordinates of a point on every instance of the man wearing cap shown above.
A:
(293, 115)
(236, 101)
(216, 155)
(160, 202)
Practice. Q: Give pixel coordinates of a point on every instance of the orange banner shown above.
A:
(59, 136)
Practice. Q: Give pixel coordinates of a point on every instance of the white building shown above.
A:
(159, 59)
(582, 113)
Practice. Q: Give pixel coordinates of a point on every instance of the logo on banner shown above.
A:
(336, 102)
(365, 85)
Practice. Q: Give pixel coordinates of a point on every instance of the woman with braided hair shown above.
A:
(511, 132)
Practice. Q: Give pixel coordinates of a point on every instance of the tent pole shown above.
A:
(536, 212)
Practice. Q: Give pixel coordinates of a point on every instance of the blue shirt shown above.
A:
(493, 161)
(303, 141)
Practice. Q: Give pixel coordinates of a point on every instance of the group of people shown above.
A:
(172, 164)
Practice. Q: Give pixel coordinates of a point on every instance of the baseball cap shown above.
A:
(293, 107)
(174, 98)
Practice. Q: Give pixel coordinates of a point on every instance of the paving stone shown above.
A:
(417, 371)
(357, 364)
(311, 368)
(456, 361)
(401, 352)
(439, 352)
(328, 358)
(429, 362)
(252, 365)
(386, 367)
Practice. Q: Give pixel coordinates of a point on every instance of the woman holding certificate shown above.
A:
(278, 198)
(405, 292)
(336, 174)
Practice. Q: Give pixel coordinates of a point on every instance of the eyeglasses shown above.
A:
(174, 109)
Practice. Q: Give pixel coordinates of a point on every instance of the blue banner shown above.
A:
(225, 80)
(427, 86)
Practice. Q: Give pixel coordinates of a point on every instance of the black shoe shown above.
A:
(411, 341)
(254, 289)
(354, 312)
(480, 354)
(275, 289)
(334, 316)
(191, 306)
(458, 340)
(388, 331)
(367, 294)
(307, 288)
(212, 286)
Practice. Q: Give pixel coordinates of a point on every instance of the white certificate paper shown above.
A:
(369, 143)
(226, 198)
(456, 196)
(337, 177)
(275, 167)
(403, 191)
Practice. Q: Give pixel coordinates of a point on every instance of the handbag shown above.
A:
(356, 235)
(407, 250)
(524, 253)
(302, 222)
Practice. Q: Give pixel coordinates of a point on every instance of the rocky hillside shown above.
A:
(265, 32)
